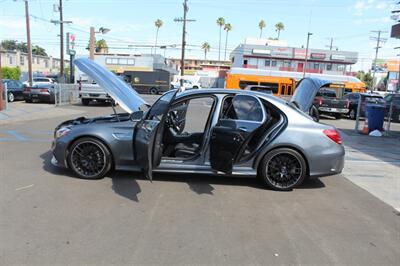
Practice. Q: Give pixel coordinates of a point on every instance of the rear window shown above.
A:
(274, 87)
(376, 100)
(327, 94)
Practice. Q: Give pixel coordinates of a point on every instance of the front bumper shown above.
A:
(59, 149)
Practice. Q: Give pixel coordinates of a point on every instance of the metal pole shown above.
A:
(91, 43)
(390, 117)
(6, 96)
(305, 59)
(61, 43)
(1, 85)
(358, 114)
(185, 9)
(71, 69)
(28, 37)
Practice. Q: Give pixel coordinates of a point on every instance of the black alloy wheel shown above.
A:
(89, 158)
(283, 169)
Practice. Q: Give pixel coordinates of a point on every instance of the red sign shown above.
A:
(318, 56)
(300, 53)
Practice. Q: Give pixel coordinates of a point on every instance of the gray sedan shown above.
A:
(210, 131)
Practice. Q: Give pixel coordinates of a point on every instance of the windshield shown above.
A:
(372, 99)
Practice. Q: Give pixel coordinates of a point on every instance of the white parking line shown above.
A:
(26, 187)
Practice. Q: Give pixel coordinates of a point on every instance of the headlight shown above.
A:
(62, 132)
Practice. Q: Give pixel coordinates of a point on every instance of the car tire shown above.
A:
(353, 114)
(85, 102)
(337, 116)
(28, 101)
(10, 97)
(282, 169)
(153, 91)
(195, 87)
(84, 154)
(314, 113)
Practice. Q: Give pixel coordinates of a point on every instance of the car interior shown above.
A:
(184, 136)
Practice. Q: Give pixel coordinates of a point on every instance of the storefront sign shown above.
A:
(263, 52)
(300, 53)
(338, 57)
(317, 56)
(282, 52)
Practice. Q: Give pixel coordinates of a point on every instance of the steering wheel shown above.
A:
(175, 124)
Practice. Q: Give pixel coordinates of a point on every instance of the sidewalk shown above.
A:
(373, 163)
(21, 111)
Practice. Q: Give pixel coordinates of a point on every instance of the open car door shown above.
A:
(241, 117)
(147, 136)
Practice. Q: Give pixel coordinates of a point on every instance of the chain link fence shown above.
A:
(66, 94)
(376, 115)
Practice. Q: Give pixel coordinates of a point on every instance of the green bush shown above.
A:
(10, 73)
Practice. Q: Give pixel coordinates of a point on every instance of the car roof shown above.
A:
(229, 91)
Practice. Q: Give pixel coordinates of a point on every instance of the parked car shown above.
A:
(327, 102)
(366, 98)
(211, 131)
(187, 84)
(15, 89)
(41, 80)
(395, 98)
(40, 93)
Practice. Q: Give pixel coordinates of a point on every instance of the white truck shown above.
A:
(92, 92)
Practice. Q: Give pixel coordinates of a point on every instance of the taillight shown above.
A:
(320, 101)
(44, 90)
(334, 135)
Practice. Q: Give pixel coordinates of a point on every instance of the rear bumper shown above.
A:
(333, 110)
(328, 164)
(39, 97)
(94, 96)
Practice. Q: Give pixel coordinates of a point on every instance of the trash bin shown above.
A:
(376, 116)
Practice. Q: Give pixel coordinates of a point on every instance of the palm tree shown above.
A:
(227, 28)
(158, 23)
(101, 46)
(206, 47)
(279, 27)
(261, 25)
(220, 23)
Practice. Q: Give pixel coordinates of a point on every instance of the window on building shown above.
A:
(245, 62)
(22, 60)
(37, 60)
(11, 59)
(267, 63)
(316, 65)
(46, 63)
(274, 63)
(329, 67)
(233, 59)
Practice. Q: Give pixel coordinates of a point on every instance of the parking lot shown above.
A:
(50, 217)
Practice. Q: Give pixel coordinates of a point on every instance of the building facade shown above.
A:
(284, 58)
(41, 65)
(192, 66)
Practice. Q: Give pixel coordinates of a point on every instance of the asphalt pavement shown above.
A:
(49, 217)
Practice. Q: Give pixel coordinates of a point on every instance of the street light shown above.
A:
(101, 30)
(305, 61)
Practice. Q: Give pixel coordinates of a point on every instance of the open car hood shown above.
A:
(306, 91)
(125, 96)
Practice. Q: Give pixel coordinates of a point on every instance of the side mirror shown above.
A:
(136, 115)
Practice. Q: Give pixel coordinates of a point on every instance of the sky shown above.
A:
(131, 23)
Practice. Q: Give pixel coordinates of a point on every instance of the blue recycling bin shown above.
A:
(376, 116)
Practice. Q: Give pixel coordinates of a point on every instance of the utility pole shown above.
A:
(61, 43)
(184, 20)
(378, 40)
(91, 43)
(306, 57)
(330, 46)
(28, 37)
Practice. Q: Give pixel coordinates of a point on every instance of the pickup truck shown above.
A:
(92, 92)
(326, 102)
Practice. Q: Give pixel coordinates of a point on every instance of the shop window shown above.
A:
(22, 60)
(267, 63)
(329, 67)
(245, 62)
(274, 63)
